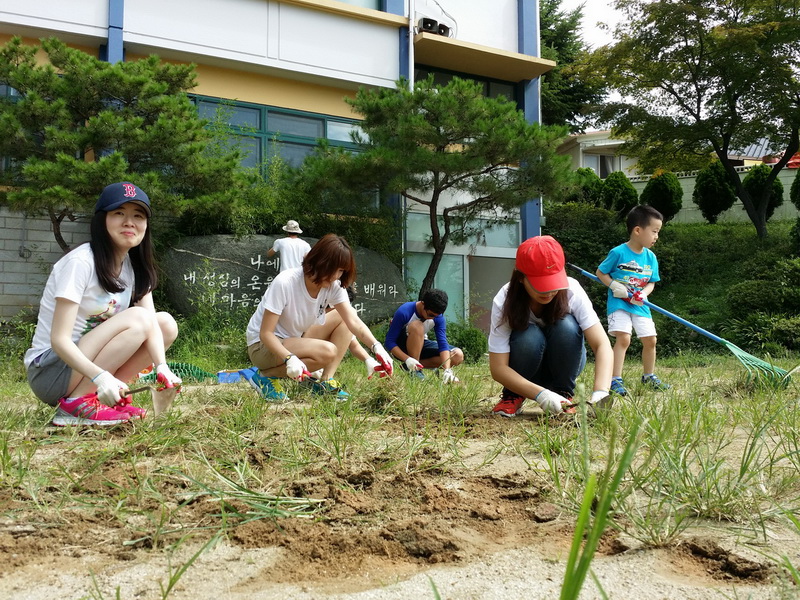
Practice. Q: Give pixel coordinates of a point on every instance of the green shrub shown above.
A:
(16, 336)
(586, 233)
(618, 194)
(664, 193)
(675, 338)
(754, 331)
(588, 187)
(471, 340)
(787, 332)
(794, 236)
(755, 181)
(794, 190)
(785, 279)
(752, 295)
(713, 192)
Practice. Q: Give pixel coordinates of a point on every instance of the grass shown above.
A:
(713, 452)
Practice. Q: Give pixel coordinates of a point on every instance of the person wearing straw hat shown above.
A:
(291, 248)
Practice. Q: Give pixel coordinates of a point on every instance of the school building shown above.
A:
(283, 69)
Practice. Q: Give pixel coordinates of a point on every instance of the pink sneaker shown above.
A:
(87, 410)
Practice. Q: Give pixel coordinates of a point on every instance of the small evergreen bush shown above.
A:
(754, 183)
(618, 194)
(787, 332)
(585, 232)
(713, 193)
(588, 187)
(471, 340)
(664, 193)
(753, 295)
(794, 190)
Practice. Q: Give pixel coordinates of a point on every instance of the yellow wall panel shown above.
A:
(258, 88)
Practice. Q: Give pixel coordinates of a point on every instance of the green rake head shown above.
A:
(758, 369)
(188, 372)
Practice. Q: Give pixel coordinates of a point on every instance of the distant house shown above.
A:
(598, 151)
(601, 152)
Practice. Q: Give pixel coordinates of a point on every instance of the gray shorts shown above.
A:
(49, 377)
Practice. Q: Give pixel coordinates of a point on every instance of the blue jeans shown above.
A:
(552, 356)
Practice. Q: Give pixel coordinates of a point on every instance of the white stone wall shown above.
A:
(690, 212)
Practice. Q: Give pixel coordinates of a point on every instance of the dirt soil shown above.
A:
(475, 532)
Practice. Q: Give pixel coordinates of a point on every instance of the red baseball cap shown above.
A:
(541, 260)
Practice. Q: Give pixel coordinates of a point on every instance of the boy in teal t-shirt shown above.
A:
(630, 271)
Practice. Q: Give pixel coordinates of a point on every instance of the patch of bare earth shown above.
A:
(378, 534)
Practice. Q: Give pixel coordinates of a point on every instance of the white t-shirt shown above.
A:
(579, 306)
(292, 251)
(74, 278)
(288, 297)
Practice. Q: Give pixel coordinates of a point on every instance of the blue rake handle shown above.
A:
(663, 311)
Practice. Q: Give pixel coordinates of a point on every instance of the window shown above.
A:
(491, 87)
(602, 164)
(498, 235)
(261, 131)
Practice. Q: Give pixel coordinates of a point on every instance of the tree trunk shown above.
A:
(55, 220)
(436, 260)
(757, 217)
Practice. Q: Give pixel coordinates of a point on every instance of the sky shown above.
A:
(593, 11)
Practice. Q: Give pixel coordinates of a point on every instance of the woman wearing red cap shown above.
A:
(97, 325)
(540, 320)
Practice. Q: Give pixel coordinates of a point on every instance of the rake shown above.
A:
(755, 366)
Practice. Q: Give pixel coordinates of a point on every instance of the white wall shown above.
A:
(292, 40)
(280, 39)
(87, 17)
(491, 23)
(690, 212)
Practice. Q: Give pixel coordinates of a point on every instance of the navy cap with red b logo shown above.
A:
(117, 194)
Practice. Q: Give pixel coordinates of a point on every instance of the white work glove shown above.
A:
(372, 366)
(550, 402)
(295, 367)
(383, 358)
(638, 298)
(449, 377)
(619, 290)
(413, 364)
(167, 376)
(109, 388)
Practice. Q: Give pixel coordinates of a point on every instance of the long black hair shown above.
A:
(517, 307)
(141, 256)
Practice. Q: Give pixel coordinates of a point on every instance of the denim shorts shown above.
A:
(49, 377)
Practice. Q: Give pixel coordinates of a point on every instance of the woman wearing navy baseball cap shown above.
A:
(97, 324)
(540, 320)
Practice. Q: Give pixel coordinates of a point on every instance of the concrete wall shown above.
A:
(28, 250)
(690, 212)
